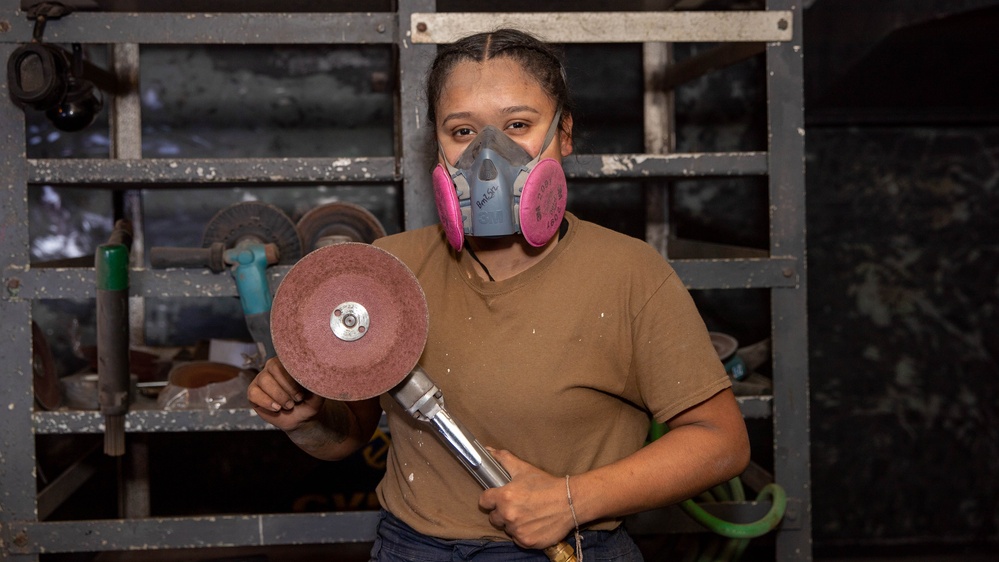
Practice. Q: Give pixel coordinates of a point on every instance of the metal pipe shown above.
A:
(113, 376)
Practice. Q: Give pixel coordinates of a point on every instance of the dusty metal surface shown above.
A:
(181, 171)
(150, 420)
(666, 165)
(789, 318)
(76, 283)
(25, 537)
(73, 283)
(413, 135)
(616, 27)
(209, 28)
(173, 172)
(17, 451)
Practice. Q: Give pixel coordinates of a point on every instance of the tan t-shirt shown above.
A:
(562, 365)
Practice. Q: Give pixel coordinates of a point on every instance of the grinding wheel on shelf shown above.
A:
(349, 321)
(341, 221)
(255, 221)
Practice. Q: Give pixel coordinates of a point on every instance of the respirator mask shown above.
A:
(496, 189)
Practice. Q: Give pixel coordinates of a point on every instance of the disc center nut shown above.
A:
(349, 321)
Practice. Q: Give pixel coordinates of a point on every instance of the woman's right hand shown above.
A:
(279, 400)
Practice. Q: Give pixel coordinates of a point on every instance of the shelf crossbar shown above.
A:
(211, 172)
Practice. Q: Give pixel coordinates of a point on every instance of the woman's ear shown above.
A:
(565, 136)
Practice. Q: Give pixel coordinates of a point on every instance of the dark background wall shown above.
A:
(902, 143)
(902, 174)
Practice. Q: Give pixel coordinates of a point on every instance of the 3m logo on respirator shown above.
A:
(490, 217)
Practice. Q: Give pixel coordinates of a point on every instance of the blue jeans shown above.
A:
(398, 542)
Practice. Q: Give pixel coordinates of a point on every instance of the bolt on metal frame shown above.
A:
(413, 29)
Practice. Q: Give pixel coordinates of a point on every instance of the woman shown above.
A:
(554, 340)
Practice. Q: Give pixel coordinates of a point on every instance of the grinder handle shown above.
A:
(212, 257)
(419, 395)
(560, 552)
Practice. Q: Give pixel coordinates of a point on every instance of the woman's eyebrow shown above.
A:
(519, 108)
(456, 115)
(505, 110)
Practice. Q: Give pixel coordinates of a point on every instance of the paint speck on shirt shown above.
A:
(601, 314)
(410, 476)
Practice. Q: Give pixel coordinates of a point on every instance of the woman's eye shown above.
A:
(517, 125)
(463, 132)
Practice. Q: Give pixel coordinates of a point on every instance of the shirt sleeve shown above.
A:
(674, 364)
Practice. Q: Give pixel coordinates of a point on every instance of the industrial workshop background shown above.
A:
(872, 402)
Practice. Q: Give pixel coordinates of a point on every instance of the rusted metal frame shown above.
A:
(125, 136)
(174, 172)
(755, 407)
(415, 146)
(151, 421)
(789, 304)
(610, 27)
(659, 123)
(193, 532)
(180, 421)
(282, 529)
(737, 273)
(125, 145)
(707, 164)
(208, 28)
(17, 443)
(78, 283)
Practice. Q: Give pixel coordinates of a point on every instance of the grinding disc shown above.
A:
(347, 221)
(349, 321)
(257, 222)
(725, 345)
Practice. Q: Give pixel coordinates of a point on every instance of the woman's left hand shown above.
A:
(533, 508)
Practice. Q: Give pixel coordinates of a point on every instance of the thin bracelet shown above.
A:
(579, 538)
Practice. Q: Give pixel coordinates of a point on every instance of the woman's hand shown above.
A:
(326, 429)
(279, 400)
(533, 508)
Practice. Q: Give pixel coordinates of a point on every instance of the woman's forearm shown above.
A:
(689, 459)
(338, 430)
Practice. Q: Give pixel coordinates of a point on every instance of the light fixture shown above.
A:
(47, 78)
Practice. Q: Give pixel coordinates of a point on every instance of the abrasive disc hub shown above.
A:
(350, 321)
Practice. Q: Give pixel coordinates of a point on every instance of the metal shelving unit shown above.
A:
(413, 29)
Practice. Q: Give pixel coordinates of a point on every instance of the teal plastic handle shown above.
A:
(249, 270)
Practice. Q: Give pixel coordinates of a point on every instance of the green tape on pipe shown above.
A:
(111, 265)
